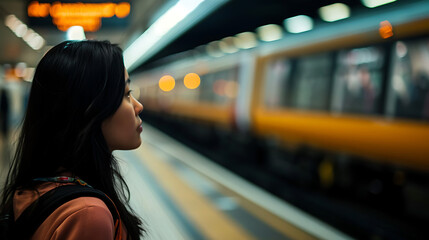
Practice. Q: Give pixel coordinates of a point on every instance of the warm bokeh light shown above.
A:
(192, 80)
(88, 24)
(36, 9)
(87, 15)
(122, 10)
(108, 10)
(386, 29)
(167, 83)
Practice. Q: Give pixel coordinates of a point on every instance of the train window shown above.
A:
(277, 83)
(409, 83)
(206, 91)
(358, 80)
(226, 85)
(219, 87)
(311, 82)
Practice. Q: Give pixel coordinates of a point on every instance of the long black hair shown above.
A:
(76, 86)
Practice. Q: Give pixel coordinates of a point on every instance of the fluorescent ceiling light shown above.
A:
(270, 32)
(21, 30)
(297, 24)
(36, 43)
(176, 20)
(226, 45)
(10, 21)
(334, 12)
(245, 40)
(375, 3)
(213, 49)
(29, 35)
(34, 40)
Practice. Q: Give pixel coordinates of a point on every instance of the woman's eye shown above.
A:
(129, 93)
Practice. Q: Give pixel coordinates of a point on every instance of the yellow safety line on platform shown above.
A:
(282, 226)
(204, 215)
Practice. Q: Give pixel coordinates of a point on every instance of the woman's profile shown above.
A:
(80, 109)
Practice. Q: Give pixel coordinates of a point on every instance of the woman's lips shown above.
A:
(140, 128)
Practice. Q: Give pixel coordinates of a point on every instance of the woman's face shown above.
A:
(122, 129)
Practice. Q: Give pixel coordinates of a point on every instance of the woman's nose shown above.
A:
(138, 107)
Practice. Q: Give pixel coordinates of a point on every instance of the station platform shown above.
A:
(180, 194)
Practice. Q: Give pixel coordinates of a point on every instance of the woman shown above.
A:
(80, 110)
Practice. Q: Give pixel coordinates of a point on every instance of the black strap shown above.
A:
(34, 215)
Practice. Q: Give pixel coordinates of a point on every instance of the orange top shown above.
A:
(81, 218)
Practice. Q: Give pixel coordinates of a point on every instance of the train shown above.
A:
(342, 108)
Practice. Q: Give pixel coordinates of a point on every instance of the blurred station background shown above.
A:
(264, 119)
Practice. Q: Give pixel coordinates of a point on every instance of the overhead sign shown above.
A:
(90, 15)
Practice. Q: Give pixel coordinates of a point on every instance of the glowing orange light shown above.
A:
(88, 24)
(122, 10)
(87, 15)
(36, 9)
(108, 10)
(167, 83)
(192, 80)
(32, 9)
(386, 29)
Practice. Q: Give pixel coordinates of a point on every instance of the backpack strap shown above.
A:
(35, 214)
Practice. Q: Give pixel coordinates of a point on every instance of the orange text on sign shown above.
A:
(87, 15)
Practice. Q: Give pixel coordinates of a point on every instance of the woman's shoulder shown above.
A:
(90, 209)
(80, 218)
(25, 197)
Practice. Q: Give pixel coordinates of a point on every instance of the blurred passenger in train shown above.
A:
(367, 91)
(80, 109)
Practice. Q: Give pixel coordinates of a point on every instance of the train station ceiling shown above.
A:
(230, 18)
(14, 49)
